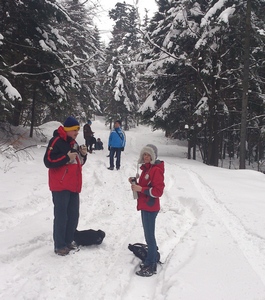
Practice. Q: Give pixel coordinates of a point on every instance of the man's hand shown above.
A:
(83, 150)
(72, 155)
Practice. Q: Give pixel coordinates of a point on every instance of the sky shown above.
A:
(210, 229)
(105, 24)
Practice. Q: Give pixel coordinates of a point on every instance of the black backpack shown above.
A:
(140, 251)
(89, 237)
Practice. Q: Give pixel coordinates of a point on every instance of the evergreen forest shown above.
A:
(195, 69)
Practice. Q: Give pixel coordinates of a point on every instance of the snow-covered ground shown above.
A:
(210, 230)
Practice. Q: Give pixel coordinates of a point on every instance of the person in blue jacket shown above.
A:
(117, 141)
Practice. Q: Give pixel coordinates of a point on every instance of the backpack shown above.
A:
(140, 251)
(89, 237)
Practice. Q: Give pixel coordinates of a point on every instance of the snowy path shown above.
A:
(251, 245)
(209, 249)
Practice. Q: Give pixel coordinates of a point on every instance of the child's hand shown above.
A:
(131, 179)
(136, 188)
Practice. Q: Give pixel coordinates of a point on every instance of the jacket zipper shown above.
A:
(66, 171)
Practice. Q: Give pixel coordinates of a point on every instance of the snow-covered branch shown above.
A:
(74, 65)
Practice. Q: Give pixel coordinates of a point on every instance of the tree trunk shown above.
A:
(213, 150)
(16, 113)
(243, 131)
(18, 105)
(194, 151)
(33, 112)
(189, 149)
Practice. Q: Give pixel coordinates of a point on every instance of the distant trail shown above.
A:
(252, 246)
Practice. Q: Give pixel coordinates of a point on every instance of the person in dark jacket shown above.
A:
(89, 136)
(116, 144)
(99, 144)
(149, 187)
(65, 158)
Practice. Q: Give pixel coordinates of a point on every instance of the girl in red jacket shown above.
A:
(149, 188)
(65, 158)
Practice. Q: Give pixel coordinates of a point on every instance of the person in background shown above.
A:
(150, 188)
(116, 144)
(99, 144)
(64, 159)
(89, 136)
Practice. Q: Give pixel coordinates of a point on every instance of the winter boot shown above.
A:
(72, 246)
(146, 271)
(63, 251)
(154, 267)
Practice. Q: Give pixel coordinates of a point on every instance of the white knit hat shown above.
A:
(151, 150)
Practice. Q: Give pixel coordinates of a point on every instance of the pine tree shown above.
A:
(50, 60)
(197, 59)
(223, 70)
(83, 40)
(122, 98)
(27, 49)
(173, 91)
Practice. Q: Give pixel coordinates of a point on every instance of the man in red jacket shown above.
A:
(65, 158)
(149, 188)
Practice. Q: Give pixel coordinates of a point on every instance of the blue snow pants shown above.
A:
(66, 215)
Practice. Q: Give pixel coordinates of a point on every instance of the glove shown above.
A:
(109, 148)
(122, 149)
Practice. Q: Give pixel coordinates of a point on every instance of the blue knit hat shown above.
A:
(71, 124)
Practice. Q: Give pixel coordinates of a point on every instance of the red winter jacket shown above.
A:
(152, 182)
(63, 175)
